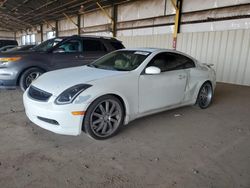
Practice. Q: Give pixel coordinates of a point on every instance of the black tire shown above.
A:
(95, 130)
(205, 96)
(25, 79)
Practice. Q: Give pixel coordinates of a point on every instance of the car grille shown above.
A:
(38, 94)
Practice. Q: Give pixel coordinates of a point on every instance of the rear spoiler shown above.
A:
(209, 65)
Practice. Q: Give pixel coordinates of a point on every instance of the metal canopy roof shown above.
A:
(23, 14)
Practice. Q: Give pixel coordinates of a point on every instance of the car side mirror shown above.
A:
(59, 50)
(152, 70)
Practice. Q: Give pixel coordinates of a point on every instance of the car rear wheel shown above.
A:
(29, 76)
(205, 95)
(104, 117)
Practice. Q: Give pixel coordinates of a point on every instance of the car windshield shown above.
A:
(46, 45)
(121, 60)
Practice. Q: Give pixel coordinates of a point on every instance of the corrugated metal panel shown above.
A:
(140, 10)
(66, 24)
(229, 51)
(193, 5)
(68, 32)
(158, 41)
(95, 18)
(6, 34)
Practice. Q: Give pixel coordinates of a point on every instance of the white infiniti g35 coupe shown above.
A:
(121, 86)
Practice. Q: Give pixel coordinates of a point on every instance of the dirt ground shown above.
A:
(186, 147)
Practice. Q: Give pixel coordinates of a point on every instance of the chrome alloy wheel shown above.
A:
(31, 77)
(106, 118)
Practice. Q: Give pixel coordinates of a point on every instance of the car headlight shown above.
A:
(69, 95)
(9, 59)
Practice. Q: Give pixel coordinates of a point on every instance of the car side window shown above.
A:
(171, 61)
(93, 46)
(177, 61)
(70, 46)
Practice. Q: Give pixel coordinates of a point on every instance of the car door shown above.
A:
(93, 49)
(165, 89)
(68, 54)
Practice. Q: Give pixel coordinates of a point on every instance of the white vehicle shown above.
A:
(121, 86)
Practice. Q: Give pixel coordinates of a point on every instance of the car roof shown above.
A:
(97, 36)
(158, 50)
(89, 36)
(150, 49)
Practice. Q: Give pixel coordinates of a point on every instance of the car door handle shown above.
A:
(182, 77)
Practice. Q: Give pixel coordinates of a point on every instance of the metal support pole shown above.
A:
(114, 20)
(180, 14)
(56, 29)
(79, 24)
(41, 28)
(177, 7)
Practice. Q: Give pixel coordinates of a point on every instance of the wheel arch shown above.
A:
(120, 98)
(25, 69)
(201, 84)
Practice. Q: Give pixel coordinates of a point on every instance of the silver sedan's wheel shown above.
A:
(104, 117)
(205, 95)
(29, 76)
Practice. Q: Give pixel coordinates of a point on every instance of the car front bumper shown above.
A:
(8, 77)
(55, 118)
(8, 84)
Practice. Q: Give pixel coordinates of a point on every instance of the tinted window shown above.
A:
(93, 45)
(46, 45)
(171, 61)
(117, 45)
(70, 46)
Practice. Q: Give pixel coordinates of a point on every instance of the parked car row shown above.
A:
(21, 68)
(101, 86)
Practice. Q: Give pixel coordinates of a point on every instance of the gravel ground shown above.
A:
(185, 147)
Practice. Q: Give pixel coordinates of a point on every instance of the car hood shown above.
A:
(56, 82)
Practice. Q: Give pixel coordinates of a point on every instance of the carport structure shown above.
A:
(23, 15)
(186, 26)
(186, 147)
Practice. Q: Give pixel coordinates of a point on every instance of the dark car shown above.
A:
(21, 68)
(7, 43)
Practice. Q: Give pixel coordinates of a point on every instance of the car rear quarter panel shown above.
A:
(198, 76)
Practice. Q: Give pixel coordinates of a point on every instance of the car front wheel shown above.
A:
(104, 117)
(29, 76)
